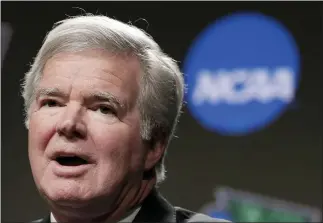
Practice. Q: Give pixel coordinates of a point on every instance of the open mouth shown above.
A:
(71, 161)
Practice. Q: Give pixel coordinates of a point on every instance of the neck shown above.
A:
(128, 199)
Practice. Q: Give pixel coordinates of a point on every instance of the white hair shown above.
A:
(161, 88)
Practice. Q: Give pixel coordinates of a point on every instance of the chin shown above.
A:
(67, 192)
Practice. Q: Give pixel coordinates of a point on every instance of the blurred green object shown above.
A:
(240, 206)
(251, 212)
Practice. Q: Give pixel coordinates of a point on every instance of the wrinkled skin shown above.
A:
(85, 104)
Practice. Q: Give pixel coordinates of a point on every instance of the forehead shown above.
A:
(93, 69)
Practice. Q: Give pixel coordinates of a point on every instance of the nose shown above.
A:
(71, 124)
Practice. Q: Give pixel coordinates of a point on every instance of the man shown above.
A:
(102, 102)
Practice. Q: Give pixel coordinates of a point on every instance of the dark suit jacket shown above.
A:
(155, 208)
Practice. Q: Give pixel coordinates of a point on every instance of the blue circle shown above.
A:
(241, 72)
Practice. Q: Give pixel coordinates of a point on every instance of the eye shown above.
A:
(49, 103)
(104, 109)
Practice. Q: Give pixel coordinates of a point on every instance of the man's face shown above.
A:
(84, 131)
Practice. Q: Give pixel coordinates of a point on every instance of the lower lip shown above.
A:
(69, 171)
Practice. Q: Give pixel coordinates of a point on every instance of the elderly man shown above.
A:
(102, 102)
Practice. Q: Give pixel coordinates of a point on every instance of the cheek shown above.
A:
(41, 130)
(119, 145)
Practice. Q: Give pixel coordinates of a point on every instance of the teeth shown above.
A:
(67, 155)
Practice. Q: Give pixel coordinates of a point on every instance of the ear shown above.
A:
(154, 155)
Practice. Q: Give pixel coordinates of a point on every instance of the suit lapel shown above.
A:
(155, 208)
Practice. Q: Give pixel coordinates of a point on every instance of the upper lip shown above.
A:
(81, 155)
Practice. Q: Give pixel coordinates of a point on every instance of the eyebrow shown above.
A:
(93, 96)
(105, 96)
(50, 92)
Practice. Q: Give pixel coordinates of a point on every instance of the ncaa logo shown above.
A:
(242, 72)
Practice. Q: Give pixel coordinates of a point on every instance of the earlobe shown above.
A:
(154, 155)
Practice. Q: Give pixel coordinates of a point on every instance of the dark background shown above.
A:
(284, 160)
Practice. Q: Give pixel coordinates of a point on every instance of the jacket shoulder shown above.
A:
(46, 219)
(36, 221)
(186, 216)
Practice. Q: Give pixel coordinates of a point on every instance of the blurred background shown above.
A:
(249, 144)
